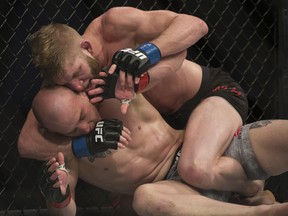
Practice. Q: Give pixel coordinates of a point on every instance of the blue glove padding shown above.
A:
(106, 135)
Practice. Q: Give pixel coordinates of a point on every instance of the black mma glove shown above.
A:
(105, 136)
(137, 61)
(111, 80)
(52, 195)
(110, 83)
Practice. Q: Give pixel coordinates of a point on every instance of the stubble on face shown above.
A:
(93, 65)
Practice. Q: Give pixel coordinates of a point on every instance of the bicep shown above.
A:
(36, 145)
(29, 137)
(142, 25)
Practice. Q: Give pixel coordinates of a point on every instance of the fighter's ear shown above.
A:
(85, 44)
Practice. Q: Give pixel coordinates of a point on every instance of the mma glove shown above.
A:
(53, 195)
(106, 135)
(110, 83)
(111, 80)
(137, 61)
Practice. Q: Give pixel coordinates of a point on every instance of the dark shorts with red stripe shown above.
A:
(215, 82)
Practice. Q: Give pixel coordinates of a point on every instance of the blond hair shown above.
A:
(52, 45)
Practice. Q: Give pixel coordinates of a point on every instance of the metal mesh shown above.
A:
(243, 39)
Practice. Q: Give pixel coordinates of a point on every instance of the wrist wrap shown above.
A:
(105, 135)
(51, 194)
(65, 202)
(152, 52)
(79, 147)
(143, 83)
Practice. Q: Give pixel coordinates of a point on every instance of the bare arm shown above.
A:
(32, 144)
(67, 207)
(70, 209)
(35, 144)
(170, 32)
(166, 67)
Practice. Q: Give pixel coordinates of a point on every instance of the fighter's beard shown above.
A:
(94, 66)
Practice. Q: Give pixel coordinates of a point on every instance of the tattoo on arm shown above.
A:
(99, 155)
(260, 124)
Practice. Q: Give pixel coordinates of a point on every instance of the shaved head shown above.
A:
(55, 107)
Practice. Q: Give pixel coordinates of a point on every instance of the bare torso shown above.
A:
(146, 159)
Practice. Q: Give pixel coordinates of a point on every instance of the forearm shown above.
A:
(171, 32)
(60, 196)
(183, 32)
(70, 209)
(32, 144)
(168, 66)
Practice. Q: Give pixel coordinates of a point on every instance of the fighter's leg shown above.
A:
(175, 198)
(209, 131)
(269, 140)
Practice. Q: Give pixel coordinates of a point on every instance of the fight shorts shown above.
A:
(215, 82)
(241, 150)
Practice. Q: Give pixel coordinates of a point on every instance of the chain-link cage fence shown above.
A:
(246, 38)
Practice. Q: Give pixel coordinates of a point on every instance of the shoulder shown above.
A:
(113, 19)
(121, 16)
(118, 12)
(117, 20)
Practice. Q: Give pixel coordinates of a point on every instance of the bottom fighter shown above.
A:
(144, 168)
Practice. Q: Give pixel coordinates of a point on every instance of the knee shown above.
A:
(141, 199)
(149, 201)
(196, 174)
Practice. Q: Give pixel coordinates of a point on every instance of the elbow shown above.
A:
(24, 148)
(205, 28)
(22, 151)
(198, 27)
(202, 27)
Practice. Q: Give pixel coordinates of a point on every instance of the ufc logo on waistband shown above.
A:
(136, 53)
